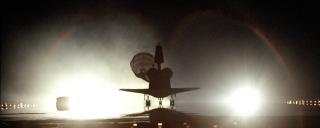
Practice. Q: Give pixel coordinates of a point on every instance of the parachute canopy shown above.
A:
(141, 63)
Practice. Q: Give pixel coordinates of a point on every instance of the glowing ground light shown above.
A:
(90, 97)
(302, 102)
(215, 126)
(244, 101)
(135, 125)
(159, 125)
(10, 106)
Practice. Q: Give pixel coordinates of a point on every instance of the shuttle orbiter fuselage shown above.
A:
(159, 79)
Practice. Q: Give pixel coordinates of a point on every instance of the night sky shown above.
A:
(207, 44)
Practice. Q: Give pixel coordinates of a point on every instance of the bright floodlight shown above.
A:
(244, 101)
(89, 96)
(92, 96)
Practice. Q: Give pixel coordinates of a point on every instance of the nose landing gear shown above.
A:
(160, 102)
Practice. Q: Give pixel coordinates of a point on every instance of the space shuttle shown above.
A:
(149, 68)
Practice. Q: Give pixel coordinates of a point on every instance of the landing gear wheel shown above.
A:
(147, 103)
(160, 102)
(172, 104)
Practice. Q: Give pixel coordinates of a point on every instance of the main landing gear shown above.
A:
(148, 102)
(172, 97)
(172, 104)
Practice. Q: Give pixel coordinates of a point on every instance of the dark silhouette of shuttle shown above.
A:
(148, 68)
(167, 117)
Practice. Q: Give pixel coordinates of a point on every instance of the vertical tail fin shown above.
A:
(158, 58)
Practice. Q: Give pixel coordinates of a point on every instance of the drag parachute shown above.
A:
(141, 63)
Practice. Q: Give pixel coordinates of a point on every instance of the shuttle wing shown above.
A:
(180, 90)
(143, 91)
(149, 92)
